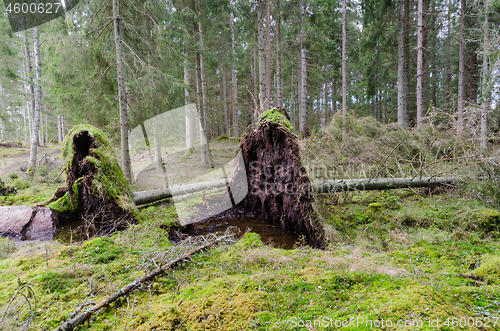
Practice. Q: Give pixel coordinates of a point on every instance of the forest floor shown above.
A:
(421, 259)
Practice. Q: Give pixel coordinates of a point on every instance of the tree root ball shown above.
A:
(96, 190)
(278, 186)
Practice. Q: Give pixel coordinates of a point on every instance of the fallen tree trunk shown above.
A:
(78, 318)
(328, 186)
(144, 197)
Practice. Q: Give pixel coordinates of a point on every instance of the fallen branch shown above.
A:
(207, 242)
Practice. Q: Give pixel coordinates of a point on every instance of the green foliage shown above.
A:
(99, 250)
(13, 175)
(20, 183)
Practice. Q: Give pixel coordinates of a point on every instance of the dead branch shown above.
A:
(208, 241)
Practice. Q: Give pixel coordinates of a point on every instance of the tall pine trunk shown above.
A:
(344, 58)
(485, 88)
(224, 94)
(420, 64)
(38, 97)
(279, 91)
(187, 101)
(234, 82)
(403, 111)
(303, 77)
(262, 68)
(268, 56)
(204, 97)
(460, 110)
(122, 94)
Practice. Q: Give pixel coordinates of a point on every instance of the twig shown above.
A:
(14, 296)
(82, 317)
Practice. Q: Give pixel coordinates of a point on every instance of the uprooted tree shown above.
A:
(96, 190)
(278, 186)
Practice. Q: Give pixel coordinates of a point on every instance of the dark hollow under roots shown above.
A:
(279, 189)
(99, 215)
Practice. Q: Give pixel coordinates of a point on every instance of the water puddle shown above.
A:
(270, 234)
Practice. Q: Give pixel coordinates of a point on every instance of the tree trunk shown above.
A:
(187, 101)
(204, 96)
(420, 64)
(262, 68)
(279, 92)
(38, 97)
(330, 186)
(224, 94)
(234, 77)
(319, 186)
(303, 77)
(254, 96)
(403, 111)
(30, 76)
(268, 55)
(460, 124)
(344, 58)
(122, 94)
(485, 89)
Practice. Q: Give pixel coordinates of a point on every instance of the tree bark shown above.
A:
(420, 64)
(204, 97)
(485, 89)
(122, 94)
(344, 58)
(187, 101)
(279, 92)
(303, 76)
(262, 68)
(38, 97)
(460, 110)
(403, 111)
(224, 94)
(234, 77)
(268, 55)
(330, 186)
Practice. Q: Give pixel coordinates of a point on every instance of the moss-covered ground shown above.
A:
(394, 255)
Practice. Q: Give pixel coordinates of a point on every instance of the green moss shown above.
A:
(488, 219)
(99, 250)
(277, 117)
(489, 269)
(375, 207)
(250, 240)
(108, 180)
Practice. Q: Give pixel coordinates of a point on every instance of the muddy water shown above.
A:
(270, 234)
